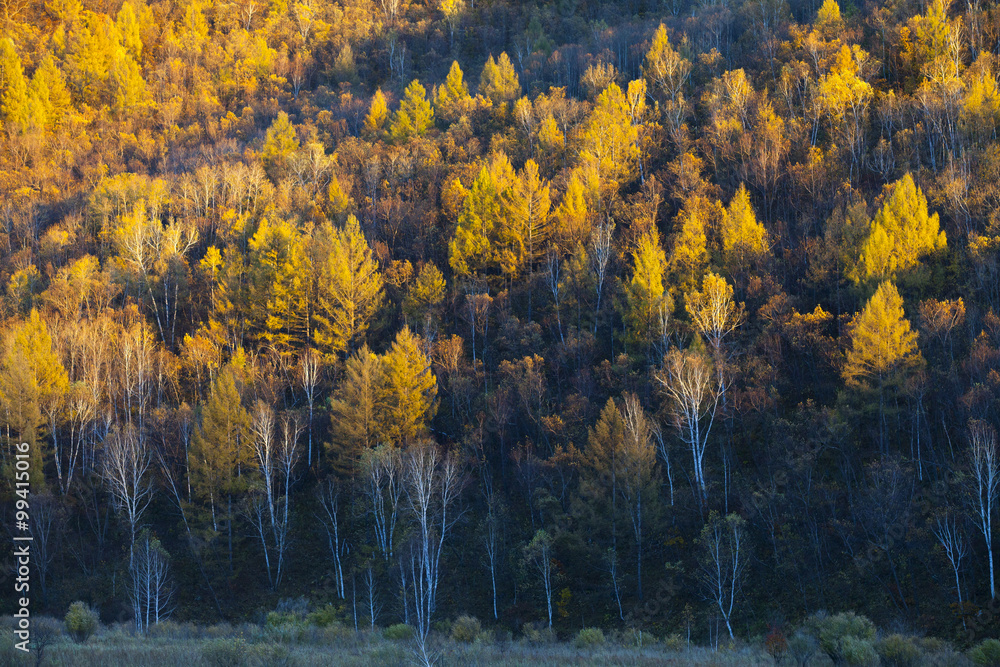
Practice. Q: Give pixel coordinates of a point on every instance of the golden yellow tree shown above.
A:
(377, 114)
(356, 409)
(499, 81)
(902, 233)
(415, 115)
(452, 99)
(744, 240)
(349, 287)
(610, 139)
(409, 391)
(648, 306)
(845, 95)
(33, 384)
(220, 449)
(883, 348)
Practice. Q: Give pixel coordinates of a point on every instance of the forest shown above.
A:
(666, 316)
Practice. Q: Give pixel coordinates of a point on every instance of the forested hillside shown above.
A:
(678, 316)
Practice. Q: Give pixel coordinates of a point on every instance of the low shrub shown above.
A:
(537, 633)
(674, 643)
(399, 632)
(486, 638)
(465, 629)
(232, 652)
(843, 634)
(986, 653)
(324, 616)
(273, 655)
(802, 647)
(776, 644)
(589, 637)
(899, 651)
(81, 621)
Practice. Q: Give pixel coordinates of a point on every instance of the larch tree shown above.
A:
(498, 81)
(883, 348)
(647, 305)
(355, 408)
(572, 219)
(415, 115)
(13, 87)
(601, 460)
(409, 390)
(473, 249)
(426, 294)
(220, 449)
(349, 287)
(745, 241)
(378, 114)
(452, 99)
(280, 144)
(609, 138)
(33, 384)
(902, 234)
(523, 239)
(689, 257)
(276, 281)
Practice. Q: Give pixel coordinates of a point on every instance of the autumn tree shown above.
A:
(415, 115)
(355, 409)
(902, 233)
(713, 311)
(409, 391)
(745, 241)
(610, 140)
(349, 287)
(33, 385)
(693, 391)
(452, 99)
(378, 114)
(523, 239)
(276, 284)
(473, 249)
(280, 143)
(219, 449)
(647, 305)
(425, 295)
(14, 95)
(498, 81)
(883, 347)
(845, 94)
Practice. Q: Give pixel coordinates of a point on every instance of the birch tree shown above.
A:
(723, 564)
(985, 484)
(955, 548)
(328, 494)
(694, 394)
(538, 554)
(433, 484)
